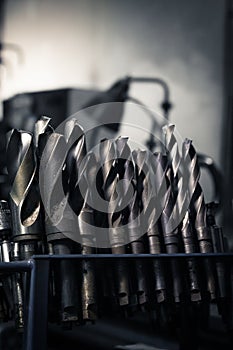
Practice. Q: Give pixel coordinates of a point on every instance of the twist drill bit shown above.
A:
(24, 200)
(117, 234)
(80, 170)
(89, 293)
(101, 220)
(42, 132)
(154, 231)
(180, 211)
(59, 224)
(199, 211)
(24, 195)
(169, 234)
(172, 149)
(138, 211)
(129, 214)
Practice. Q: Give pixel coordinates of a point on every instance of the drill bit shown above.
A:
(198, 209)
(170, 234)
(180, 212)
(59, 225)
(24, 195)
(24, 200)
(80, 176)
(138, 209)
(89, 293)
(117, 234)
(42, 132)
(154, 232)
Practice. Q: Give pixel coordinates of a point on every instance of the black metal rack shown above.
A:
(38, 268)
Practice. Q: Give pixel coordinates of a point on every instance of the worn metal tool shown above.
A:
(59, 225)
(24, 197)
(24, 200)
(180, 211)
(154, 233)
(198, 209)
(79, 173)
(170, 234)
(117, 234)
(138, 209)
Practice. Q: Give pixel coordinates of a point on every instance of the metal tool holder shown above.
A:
(38, 267)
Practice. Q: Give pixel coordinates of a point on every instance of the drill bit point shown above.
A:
(72, 131)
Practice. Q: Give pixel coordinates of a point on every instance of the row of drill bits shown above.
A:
(123, 202)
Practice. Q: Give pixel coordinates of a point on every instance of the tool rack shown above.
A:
(38, 268)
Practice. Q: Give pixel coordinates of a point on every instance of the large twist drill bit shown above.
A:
(198, 208)
(24, 195)
(59, 224)
(24, 202)
(117, 234)
(180, 212)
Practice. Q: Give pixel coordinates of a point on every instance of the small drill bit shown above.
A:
(199, 211)
(180, 212)
(138, 210)
(154, 231)
(117, 234)
(170, 234)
